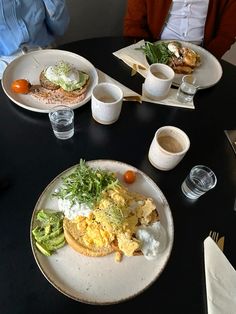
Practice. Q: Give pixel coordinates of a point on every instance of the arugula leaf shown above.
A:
(157, 52)
(85, 184)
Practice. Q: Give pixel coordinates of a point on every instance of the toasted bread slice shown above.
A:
(46, 83)
(75, 239)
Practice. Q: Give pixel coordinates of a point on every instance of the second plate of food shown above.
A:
(31, 65)
(208, 73)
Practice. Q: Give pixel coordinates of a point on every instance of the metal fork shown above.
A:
(219, 241)
(214, 235)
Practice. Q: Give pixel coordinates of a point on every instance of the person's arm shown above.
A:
(225, 31)
(57, 16)
(135, 20)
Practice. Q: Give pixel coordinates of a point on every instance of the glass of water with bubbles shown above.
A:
(187, 89)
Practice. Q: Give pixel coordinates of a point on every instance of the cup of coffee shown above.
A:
(168, 147)
(106, 103)
(158, 81)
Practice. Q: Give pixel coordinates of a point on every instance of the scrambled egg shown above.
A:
(114, 220)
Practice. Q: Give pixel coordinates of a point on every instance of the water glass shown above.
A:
(187, 89)
(200, 180)
(62, 121)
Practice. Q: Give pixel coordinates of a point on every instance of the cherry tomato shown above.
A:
(129, 176)
(20, 86)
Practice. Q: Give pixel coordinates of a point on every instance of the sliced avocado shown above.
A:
(51, 243)
(44, 238)
(60, 245)
(42, 249)
(49, 235)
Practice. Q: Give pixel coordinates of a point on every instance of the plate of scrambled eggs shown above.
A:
(118, 236)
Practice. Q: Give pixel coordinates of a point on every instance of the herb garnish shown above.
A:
(114, 215)
(157, 52)
(85, 185)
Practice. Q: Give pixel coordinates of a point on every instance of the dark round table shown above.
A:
(31, 157)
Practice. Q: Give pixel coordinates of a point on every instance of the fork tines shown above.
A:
(214, 235)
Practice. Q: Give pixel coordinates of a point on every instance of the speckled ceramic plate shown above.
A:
(208, 73)
(101, 280)
(29, 67)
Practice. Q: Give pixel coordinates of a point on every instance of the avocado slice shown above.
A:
(53, 243)
(42, 249)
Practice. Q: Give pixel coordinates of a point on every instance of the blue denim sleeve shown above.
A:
(57, 16)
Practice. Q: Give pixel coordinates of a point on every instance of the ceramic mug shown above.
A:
(158, 81)
(106, 103)
(168, 147)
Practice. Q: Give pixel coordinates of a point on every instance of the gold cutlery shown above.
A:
(133, 98)
(219, 241)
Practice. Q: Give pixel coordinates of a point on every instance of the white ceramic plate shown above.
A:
(101, 280)
(30, 65)
(208, 73)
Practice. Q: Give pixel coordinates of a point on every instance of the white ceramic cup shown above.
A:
(106, 103)
(168, 147)
(158, 81)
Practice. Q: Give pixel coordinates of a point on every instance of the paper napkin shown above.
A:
(170, 100)
(220, 280)
(134, 58)
(129, 94)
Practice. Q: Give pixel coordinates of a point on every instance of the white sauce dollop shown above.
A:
(153, 239)
(72, 211)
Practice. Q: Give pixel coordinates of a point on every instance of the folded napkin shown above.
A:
(129, 94)
(220, 280)
(170, 100)
(134, 58)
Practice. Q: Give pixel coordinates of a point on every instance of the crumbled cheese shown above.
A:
(72, 211)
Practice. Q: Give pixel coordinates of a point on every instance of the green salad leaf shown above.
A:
(157, 52)
(86, 184)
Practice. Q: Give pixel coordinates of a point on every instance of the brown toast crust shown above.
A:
(44, 82)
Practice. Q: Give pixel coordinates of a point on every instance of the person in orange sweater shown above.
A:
(209, 23)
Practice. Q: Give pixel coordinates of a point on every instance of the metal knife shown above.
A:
(220, 243)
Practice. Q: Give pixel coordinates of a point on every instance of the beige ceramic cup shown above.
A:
(168, 147)
(106, 103)
(158, 81)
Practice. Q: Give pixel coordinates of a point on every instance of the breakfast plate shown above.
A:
(208, 73)
(101, 280)
(30, 65)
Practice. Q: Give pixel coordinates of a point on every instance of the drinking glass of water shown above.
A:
(62, 121)
(200, 180)
(187, 89)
